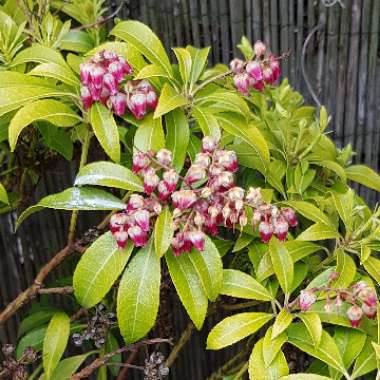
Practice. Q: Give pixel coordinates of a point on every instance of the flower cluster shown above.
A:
(254, 74)
(361, 297)
(13, 368)
(207, 199)
(102, 80)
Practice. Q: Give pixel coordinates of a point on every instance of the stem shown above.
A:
(210, 80)
(123, 372)
(241, 372)
(83, 159)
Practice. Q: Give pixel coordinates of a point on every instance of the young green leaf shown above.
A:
(313, 325)
(77, 41)
(271, 347)
(138, 295)
(177, 136)
(364, 175)
(168, 101)
(185, 63)
(105, 129)
(151, 71)
(98, 269)
(163, 232)
(241, 285)
(75, 198)
(199, 58)
(281, 323)
(282, 264)
(309, 211)
(372, 266)
(189, 286)
(149, 135)
(318, 231)
(3, 195)
(57, 335)
(207, 121)
(346, 268)
(305, 376)
(344, 204)
(366, 361)
(235, 328)
(103, 173)
(61, 73)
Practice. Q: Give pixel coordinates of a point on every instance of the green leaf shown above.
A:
(105, 130)
(32, 339)
(55, 71)
(300, 272)
(75, 198)
(241, 285)
(189, 286)
(53, 111)
(318, 231)
(372, 266)
(177, 137)
(310, 212)
(112, 345)
(40, 54)
(151, 71)
(281, 323)
(98, 269)
(313, 325)
(232, 329)
(184, 63)
(327, 350)
(282, 264)
(3, 195)
(138, 295)
(276, 172)
(344, 204)
(103, 173)
(346, 268)
(305, 376)
(77, 41)
(271, 347)
(149, 135)
(242, 242)
(163, 232)
(209, 267)
(364, 175)
(236, 126)
(199, 57)
(144, 40)
(36, 319)
(55, 341)
(333, 166)
(366, 361)
(259, 371)
(168, 101)
(207, 122)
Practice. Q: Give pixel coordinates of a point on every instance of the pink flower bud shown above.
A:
(97, 75)
(209, 144)
(194, 174)
(358, 287)
(215, 170)
(144, 86)
(369, 311)
(355, 314)
(151, 181)
(135, 202)
(228, 160)
(110, 83)
(259, 49)
(211, 227)
(109, 55)
(236, 65)
(307, 299)
(254, 70)
(206, 192)
(139, 161)
(95, 92)
(163, 191)
(184, 199)
(164, 157)
(368, 296)
(85, 72)
(125, 66)
(105, 96)
(170, 178)
(199, 219)
(117, 221)
(241, 82)
(275, 66)
(142, 219)
(265, 231)
(203, 160)
(151, 100)
(121, 238)
(225, 180)
(86, 97)
(254, 196)
(290, 216)
(257, 84)
(118, 103)
(256, 218)
(280, 229)
(137, 105)
(236, 194)
(243, 220)
(116, 70)
(138, 236)
(268, 75)
(197, 238)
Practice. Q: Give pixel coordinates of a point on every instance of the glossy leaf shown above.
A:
(309, 211)
(282, 264)
(75, 198)
(103, 173)
(189, 286)
(105, 129)
(56, 337)
(40, 54)
(372, 266)
(281, 323)
(366, 361)
(318, 231)
(163, 232)
(61, 73)
(207, 122)
(232, 329)
(151, 71)
(177, 137)
(36, 319)
(364, 175)
(346, 268)
(305, 376)
(313, 325)
(184, 63)
(241, 285)
(98, 269)
(199, 58)
(169, 100)
(138, 295)
(271, 347)
(77, 41)
(149, 135)
(3, 195)
(32, 339)
(144, 40)
(344, 204)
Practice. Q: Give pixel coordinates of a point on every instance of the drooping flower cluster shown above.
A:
(361, 296)
(263, 69)
(207, 199)
(102, 79)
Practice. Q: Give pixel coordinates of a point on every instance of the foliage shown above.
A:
(313, 288)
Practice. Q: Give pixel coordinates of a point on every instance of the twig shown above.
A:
(99, 362)
(131, 358)
(185, 336)
(63, 290)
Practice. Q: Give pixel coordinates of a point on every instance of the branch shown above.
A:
(63, 290)
(131, 358)
(99, 362)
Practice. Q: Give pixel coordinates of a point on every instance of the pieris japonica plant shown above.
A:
(217, 177)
